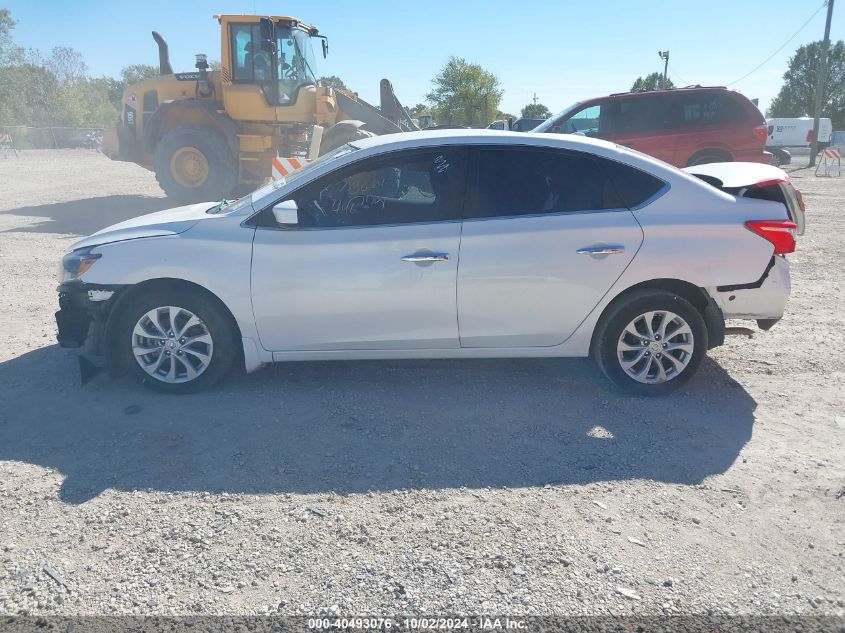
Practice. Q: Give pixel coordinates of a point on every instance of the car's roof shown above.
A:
(664, 91)
(457, 137)
(574, 142)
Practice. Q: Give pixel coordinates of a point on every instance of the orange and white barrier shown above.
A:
(830, 163)
(283, 166)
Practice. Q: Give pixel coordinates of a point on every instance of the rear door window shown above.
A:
(697, 109)
(515, 182)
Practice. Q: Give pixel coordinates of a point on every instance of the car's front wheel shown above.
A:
(175, 341)
(650, 342)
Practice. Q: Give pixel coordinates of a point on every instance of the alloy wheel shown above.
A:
(655, 347)
(172, 344)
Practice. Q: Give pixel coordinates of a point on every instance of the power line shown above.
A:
(792, 37)
(680, 79)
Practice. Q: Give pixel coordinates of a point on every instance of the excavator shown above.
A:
(209, 132)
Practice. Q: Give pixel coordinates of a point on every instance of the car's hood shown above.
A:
(167, 222)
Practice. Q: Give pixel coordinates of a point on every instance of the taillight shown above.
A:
(760, 131)
(809, 136)
(781, 233)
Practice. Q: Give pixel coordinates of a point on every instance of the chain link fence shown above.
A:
(25, 137)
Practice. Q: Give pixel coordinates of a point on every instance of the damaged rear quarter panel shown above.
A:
(764, 302)
(705, 242)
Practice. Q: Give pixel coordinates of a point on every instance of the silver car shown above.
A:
(445, 244)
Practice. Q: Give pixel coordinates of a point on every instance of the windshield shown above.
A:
(546, 125)
(297, 65)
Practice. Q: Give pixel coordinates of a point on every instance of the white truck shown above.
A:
(797, 132)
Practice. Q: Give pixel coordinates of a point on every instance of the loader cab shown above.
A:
(267, 64)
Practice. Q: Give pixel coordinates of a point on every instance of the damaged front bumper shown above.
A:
(82, 320)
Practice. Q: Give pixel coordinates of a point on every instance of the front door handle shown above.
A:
(418, 258)
(601, 250)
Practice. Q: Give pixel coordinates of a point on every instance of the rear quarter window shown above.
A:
(634, 186)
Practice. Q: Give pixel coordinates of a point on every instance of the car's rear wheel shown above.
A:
(650, 342)
(175, 341)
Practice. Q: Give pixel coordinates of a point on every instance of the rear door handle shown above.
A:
(601, 250)
(426, 257)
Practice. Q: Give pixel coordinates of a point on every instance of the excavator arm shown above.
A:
(391, 117)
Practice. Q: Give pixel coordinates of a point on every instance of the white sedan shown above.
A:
(444, 244)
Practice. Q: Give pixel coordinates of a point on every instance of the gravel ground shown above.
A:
(519, 486)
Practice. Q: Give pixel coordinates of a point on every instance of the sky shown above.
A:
(562, 51)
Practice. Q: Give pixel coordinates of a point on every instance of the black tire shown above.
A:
(340, 134)
(621, 313)
(705, 157)
(217, 322)
(222, 168)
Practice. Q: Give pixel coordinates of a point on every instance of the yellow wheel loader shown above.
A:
(204, 133)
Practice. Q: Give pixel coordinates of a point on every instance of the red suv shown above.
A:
(682, 126)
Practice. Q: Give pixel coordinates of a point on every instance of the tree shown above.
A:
(536, 111)
(333, 81)
(654, 81)
(419, 109)
(66, 64)
(464, 94)
(28, 95)
(129, 76)
(10, 53)
(797, 95)
(137, 73)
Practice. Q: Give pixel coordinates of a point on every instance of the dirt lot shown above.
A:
(519, 487)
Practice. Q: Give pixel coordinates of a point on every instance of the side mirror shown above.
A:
(325, 48)
(286, 213)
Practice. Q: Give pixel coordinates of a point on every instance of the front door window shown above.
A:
(425, 186)
(586, 122)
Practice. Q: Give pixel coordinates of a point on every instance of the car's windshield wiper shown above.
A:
(219, 206)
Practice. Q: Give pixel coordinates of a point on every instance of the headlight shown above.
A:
(75, 264)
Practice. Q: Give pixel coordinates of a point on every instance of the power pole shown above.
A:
(535, 98)
(664, 55)
(817, 111)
